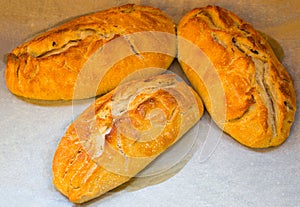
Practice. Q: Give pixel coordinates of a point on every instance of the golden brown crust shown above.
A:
(260, 101)
(47, 67)
(138, 121)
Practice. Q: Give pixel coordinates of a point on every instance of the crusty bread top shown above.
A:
(48, 66)
(260, 101)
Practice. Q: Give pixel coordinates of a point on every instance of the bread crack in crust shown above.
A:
(48, 66)
(259, 97)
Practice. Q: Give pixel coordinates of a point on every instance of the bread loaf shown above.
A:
(121, 133)
(246, 90)
(100, 49)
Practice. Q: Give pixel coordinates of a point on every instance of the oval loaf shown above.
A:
(48, 66)
(259, 98)
(121, 133)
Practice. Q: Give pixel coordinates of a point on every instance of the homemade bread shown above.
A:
(90, 55)
(246, 90)
(121, 133)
